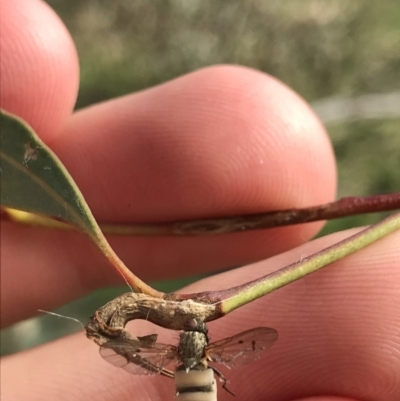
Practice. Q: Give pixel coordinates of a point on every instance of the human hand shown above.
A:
(220, 141)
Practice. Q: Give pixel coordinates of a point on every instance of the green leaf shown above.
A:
(33, 179)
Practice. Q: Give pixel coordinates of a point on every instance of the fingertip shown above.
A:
(221, 141)
(282, 141)
(39, 65)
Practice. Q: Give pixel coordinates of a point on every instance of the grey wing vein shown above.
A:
(134, 358)
(242, 348)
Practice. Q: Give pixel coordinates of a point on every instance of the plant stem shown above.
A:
(235, 297)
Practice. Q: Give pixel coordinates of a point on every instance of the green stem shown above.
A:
(243, 294)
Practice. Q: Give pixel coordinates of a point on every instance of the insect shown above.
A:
(194, 377)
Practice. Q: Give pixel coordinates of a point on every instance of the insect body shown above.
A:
(194, 377)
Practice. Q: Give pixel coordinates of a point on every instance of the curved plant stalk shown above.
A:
(348, 206)
(33, 179)
(180, 311)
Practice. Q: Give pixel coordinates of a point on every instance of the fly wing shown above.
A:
(131, 356)
(242, 348)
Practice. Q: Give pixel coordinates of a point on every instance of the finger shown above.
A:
(39, 66)
(339, 334)
(221, 141)
(39, 81)
(339, 329)
(325, 398)
(72, 369)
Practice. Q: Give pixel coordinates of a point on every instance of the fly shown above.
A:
(194, 377)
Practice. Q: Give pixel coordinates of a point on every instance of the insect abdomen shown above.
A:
(198, 384)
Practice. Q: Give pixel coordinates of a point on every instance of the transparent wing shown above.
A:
(131, 356)
(243, 348)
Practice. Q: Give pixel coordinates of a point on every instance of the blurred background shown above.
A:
(343, 57)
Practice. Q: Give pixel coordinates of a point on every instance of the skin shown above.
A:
(220, 141)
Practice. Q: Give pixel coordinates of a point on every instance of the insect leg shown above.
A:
(222, 379)
(167, 373)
